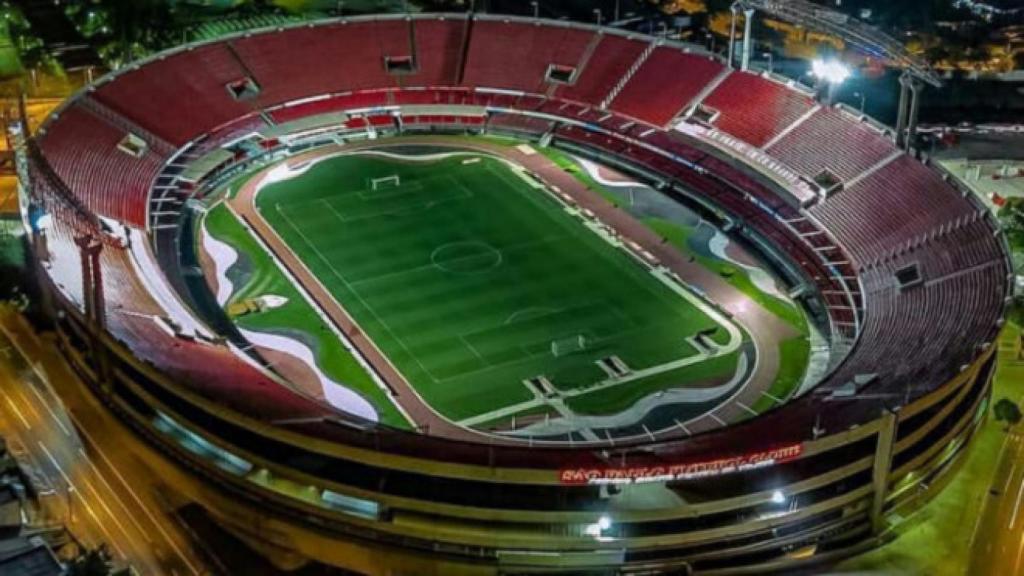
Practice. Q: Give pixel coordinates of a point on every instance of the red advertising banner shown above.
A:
(681, 471)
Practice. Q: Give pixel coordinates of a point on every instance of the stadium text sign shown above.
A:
(682, 471)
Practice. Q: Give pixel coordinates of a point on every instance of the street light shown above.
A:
(69, 490)
(597, 14)
(536, 8)
(862, 97)
(771, 62)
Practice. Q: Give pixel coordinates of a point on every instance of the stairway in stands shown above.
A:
(628, 75)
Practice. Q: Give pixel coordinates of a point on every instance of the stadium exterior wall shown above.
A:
(419, 530)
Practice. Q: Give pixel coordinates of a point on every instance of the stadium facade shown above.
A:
(907, 274)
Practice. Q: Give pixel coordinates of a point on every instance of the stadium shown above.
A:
(471, 294)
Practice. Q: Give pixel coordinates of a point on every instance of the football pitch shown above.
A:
(472, 280)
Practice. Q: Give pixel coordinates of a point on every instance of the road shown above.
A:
(97, 486)
(997, 546)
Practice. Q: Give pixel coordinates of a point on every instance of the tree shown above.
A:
(1006, 411)
(1011, 217)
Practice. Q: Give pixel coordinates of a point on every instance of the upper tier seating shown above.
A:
(830, 139)
(666, 82)
(753, 109)
(307, 62)
(899, 341)
(83, 150)
(512, 56)
(438, 47)
(610, 61)
(901, 201)
(180, 97)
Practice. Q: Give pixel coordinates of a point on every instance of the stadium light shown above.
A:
(43, 222)
(832, 71)
(597, 529)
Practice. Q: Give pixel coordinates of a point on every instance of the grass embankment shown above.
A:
(297, 316)
(794, 352)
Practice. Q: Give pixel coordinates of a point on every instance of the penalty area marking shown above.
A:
(531, 313)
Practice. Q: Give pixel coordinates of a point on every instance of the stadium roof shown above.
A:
(867, 39)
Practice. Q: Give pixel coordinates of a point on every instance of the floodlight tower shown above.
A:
(832, 73)
(910, 104)
(861, 37)
(748, 41)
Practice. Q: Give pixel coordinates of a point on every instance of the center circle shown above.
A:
(466, 257)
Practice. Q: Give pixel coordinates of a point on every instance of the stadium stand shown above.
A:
(906, 200)
(666, 82)
(854, 146)
(898, 342)
(83, 150)
(438, 46)
(296, 64)
(491, 63)
(199, 102)
(753, 109)
(610, 61)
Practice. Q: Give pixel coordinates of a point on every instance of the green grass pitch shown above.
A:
(464, 275)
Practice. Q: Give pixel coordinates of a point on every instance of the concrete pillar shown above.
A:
(831, 89)
(95, 309)
(915, 105)
(881, 468)
(85, 248)
(901, 112)
(748, 37)
(732, 39)
(99, 305)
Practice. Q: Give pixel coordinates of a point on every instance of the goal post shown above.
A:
(568, 345)
(383, 182)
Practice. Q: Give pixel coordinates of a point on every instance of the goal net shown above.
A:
(385, 182)
(568, 345)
